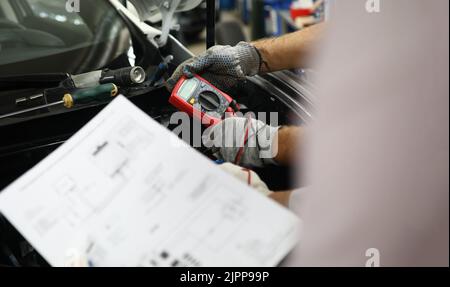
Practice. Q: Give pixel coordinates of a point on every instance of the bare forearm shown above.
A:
(291, 51)
(289, 145)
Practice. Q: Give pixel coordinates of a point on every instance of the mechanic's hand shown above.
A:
(223, 66)
(247, 176)
(243, 141)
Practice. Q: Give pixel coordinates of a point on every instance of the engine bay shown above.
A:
(28, 139)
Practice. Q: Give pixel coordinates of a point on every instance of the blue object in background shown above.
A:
(273, 23)
(244, 9)
(274, 7)
(227, 4)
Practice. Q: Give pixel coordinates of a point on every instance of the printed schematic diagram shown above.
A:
(112, 158)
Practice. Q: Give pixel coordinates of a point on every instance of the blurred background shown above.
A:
(248, 20)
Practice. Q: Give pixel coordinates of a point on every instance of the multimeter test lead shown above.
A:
(162, 68)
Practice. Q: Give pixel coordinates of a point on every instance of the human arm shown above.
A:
(224, 66)
(290, 140)
(291, 51)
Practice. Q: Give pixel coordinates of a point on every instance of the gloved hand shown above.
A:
(223, 66)
(247, 176)
(243, 141)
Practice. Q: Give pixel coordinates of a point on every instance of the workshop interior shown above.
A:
(47, 52)
(62, 62)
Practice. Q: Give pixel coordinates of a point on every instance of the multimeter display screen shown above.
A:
(188, 88)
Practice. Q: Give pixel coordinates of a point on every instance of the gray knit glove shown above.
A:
(243, 141)
(223, 66)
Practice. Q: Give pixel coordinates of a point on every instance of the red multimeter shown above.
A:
(201, 100)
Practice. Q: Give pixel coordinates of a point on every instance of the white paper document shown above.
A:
(124, 191)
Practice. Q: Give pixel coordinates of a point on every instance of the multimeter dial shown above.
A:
(209, 101)
(197, 94)
(204, 97)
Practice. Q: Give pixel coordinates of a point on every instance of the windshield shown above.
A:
(46, 36)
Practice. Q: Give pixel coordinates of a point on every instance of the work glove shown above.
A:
(243, 141)
(223, 66)
(247, 176)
